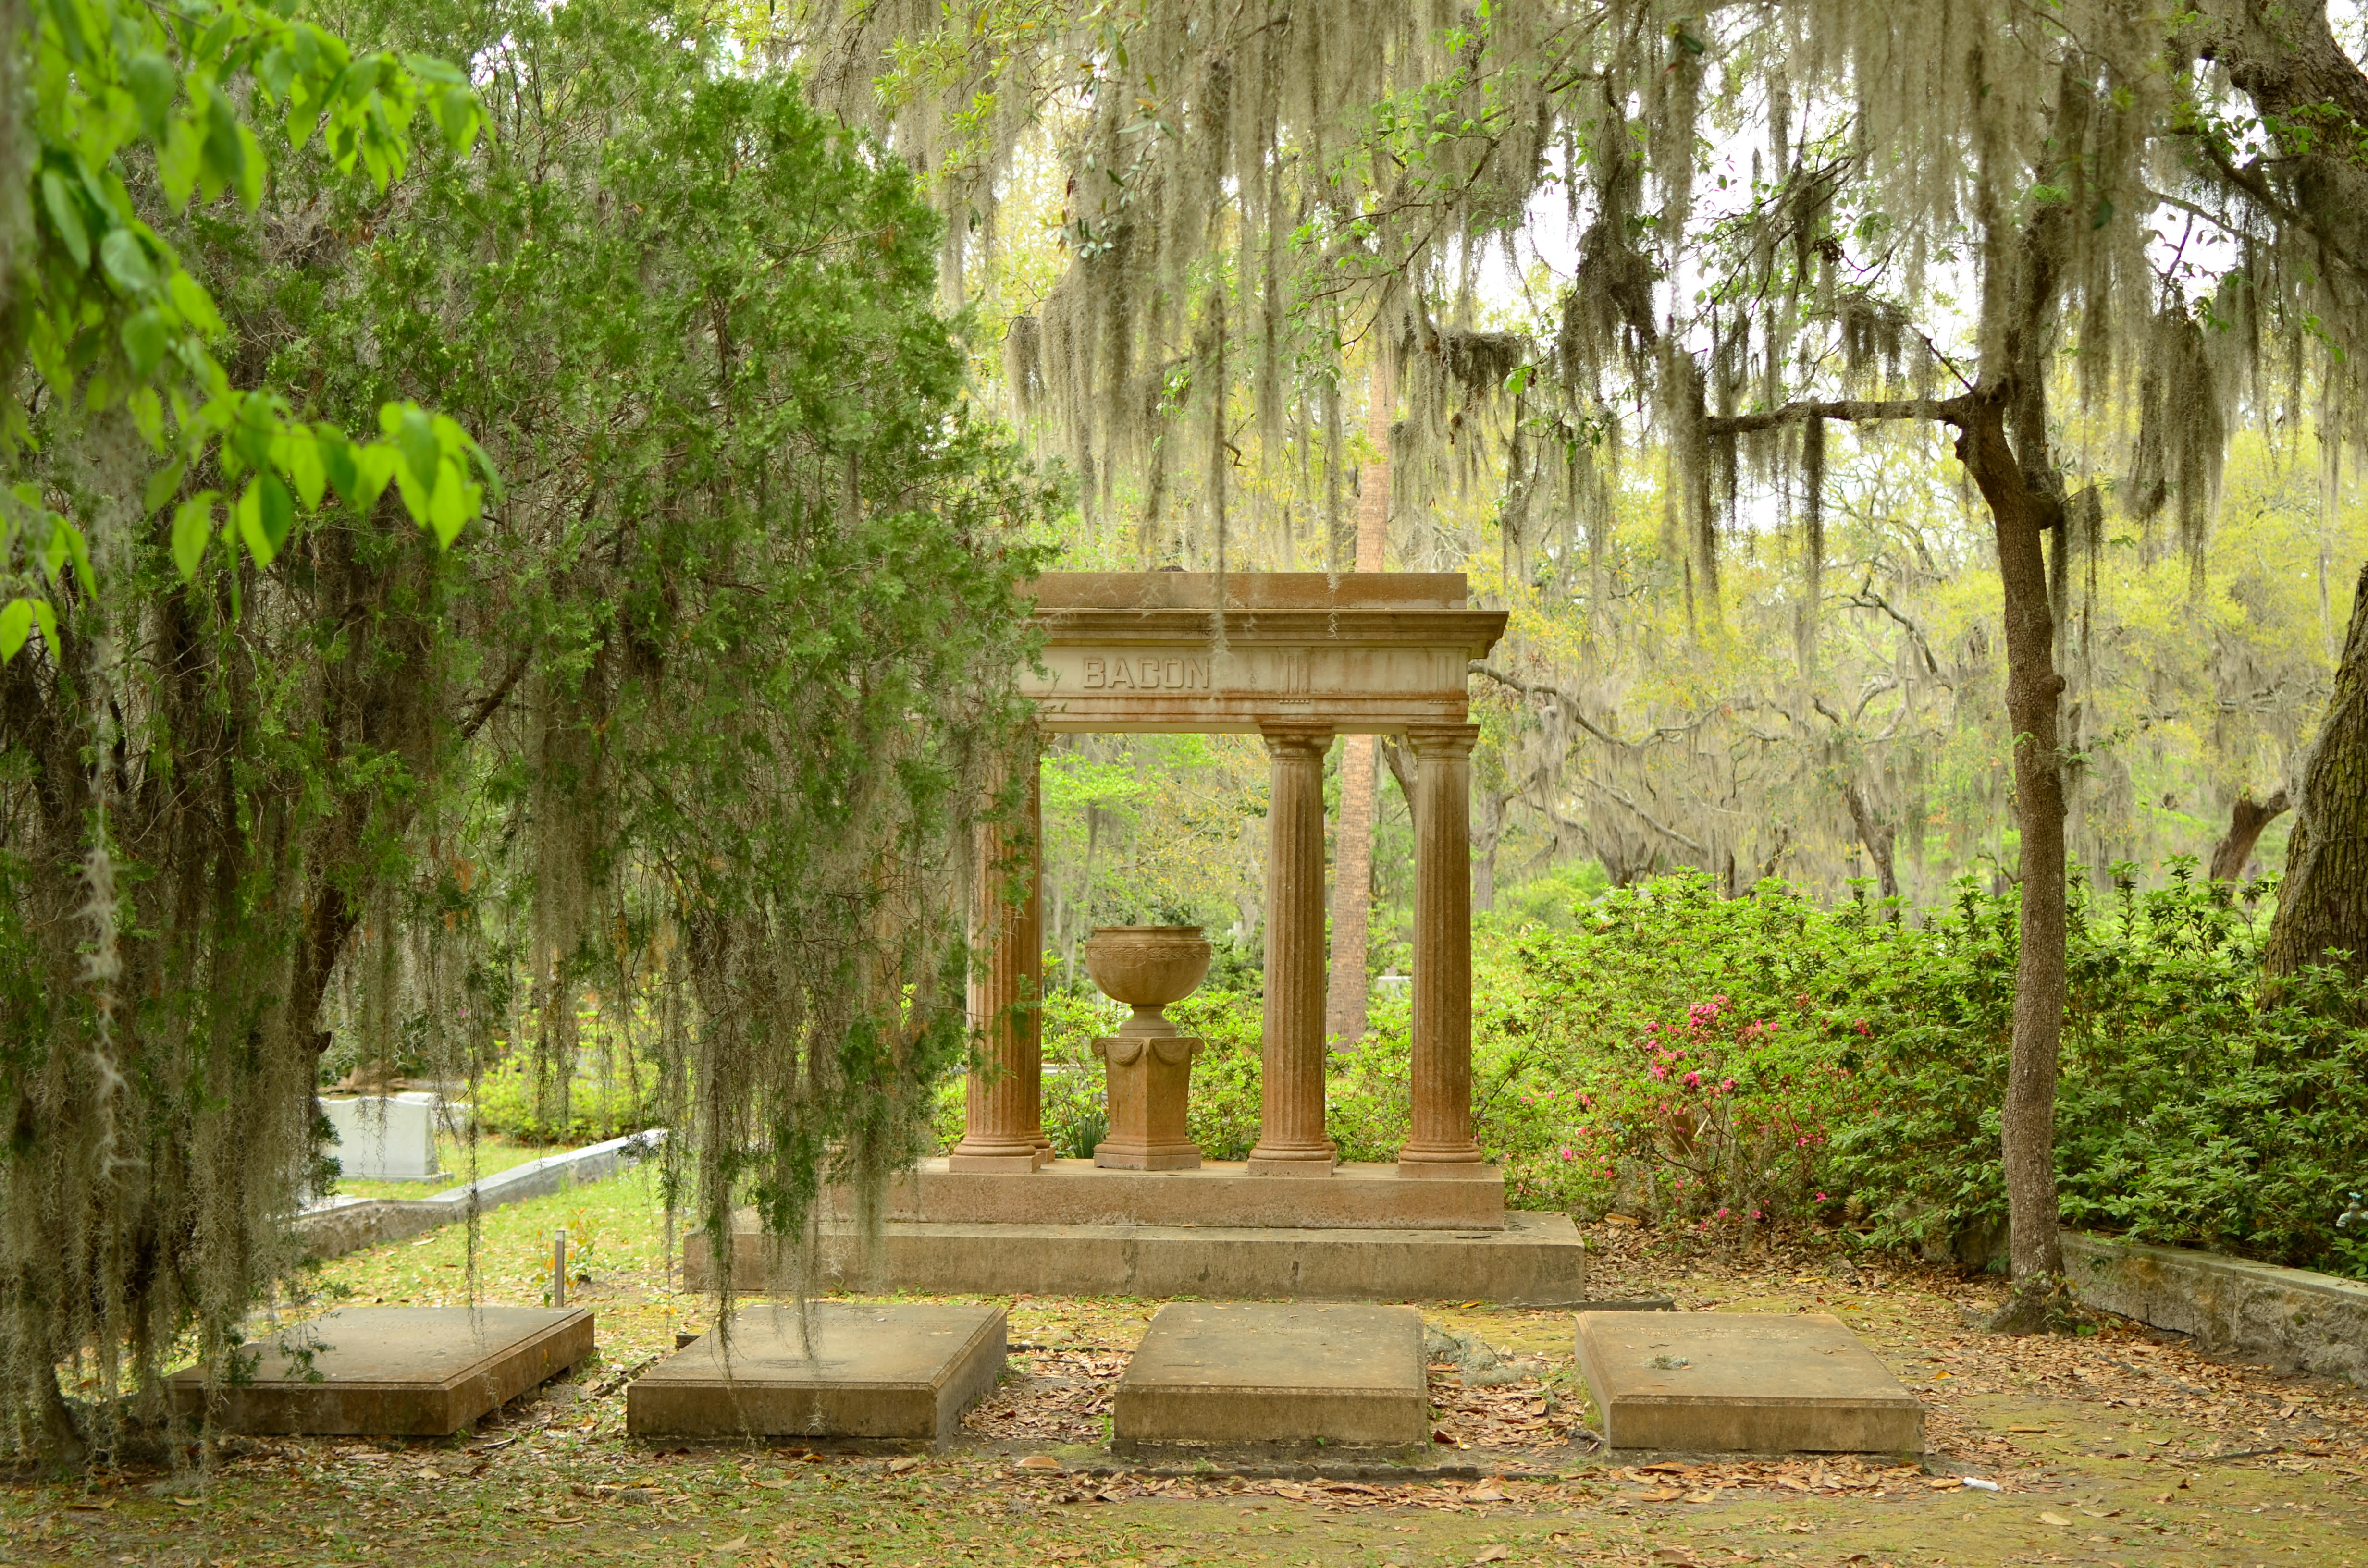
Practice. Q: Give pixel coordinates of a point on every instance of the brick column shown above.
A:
(1441, 1144)
(1003, 1110)
(1291, 1100)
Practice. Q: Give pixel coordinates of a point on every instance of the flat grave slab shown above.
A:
(1704, 1382)
(1240, 1373)
(894, 1371)
(393, 1371)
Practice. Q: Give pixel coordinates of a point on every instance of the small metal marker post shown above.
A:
(559, 1269)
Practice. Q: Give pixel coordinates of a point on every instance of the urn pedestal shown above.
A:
(1148, 1063)
(1149, 1080)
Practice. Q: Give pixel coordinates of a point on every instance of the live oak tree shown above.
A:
(1977, 220)
(698, 712)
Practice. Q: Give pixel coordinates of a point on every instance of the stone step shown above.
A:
(1535, 1260)
(1078, 1192)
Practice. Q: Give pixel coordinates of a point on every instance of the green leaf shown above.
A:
(377, 463)
(304, 468)
(448, 507)
(180, 160)
(414, 430)
(144, 339)
(126, 261)
(276, 509)
(45, 615)
(15, 625)
(163, 483)
(247, 517)
(197, 306)
(65, 216)
(150, 77)
(251, 168)
(193, 523)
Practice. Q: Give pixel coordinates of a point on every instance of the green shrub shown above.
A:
(600, 1105)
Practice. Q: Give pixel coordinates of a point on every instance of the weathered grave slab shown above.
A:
(1704, 1382)
(393, 1371)
(894, 1372)
(1240, 1373)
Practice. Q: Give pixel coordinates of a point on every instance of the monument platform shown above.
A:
(1534, 1260)
(392, 1371)
(1078, 1192)
(888, 1372)
(1234, 1374)
(1698, 1383)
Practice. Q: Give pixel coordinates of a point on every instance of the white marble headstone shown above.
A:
(384, 1137)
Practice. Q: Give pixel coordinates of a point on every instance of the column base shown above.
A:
(1293, 1162)
(1466, 1163)
(1022, 1159)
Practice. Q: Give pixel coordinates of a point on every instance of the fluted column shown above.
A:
(1441, 1144)
(1291, 1098)
(1003, 1110)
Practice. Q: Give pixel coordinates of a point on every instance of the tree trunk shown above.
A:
(2246, 820)
(2323, 903)
(2033, 700)
(1876, 834)
(1352, 852)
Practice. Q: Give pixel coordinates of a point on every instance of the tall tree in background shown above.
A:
(1353, 858)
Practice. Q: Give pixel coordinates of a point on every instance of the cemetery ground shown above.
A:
(2123, 1446)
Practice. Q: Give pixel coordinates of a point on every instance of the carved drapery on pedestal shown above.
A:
(1003, 1108)
(1290, 1100)
(1441, 1143)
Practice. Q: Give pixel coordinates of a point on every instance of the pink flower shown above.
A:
(1693, 1079)
(1565, 1153)
(1821, 1198)
(1861, 1027)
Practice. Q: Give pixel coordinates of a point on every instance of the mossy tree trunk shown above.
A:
(2323, 905)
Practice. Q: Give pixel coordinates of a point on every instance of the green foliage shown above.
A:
(1719, 1061)
(510, 1104)
(138, 107)
(701, 713)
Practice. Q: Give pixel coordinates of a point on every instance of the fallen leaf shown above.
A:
(774, 1485)
(186, 1501)
(1494, 1554)
(899, 1466)
(2056, 1519)
(737, 1544)
(1483, 1492)
(1943, 1484)
(2030, 1429)
(1039, 1461)
(1661, 1494)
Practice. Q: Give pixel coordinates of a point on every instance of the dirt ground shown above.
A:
(2121, 1448)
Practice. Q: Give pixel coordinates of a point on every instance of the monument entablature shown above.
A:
(1361, 654)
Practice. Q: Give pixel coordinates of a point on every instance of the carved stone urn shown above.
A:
(1148, 1062)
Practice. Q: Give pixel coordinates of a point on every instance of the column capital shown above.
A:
(1443, 740)
(1282, 735)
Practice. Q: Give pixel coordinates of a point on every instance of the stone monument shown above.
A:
(1297, 659)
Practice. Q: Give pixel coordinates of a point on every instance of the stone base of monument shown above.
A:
(1698, 1383)
(1534, 1260)
(392, 1371)
(890, 1373)
(1079, 1192)
(1252, 1374)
